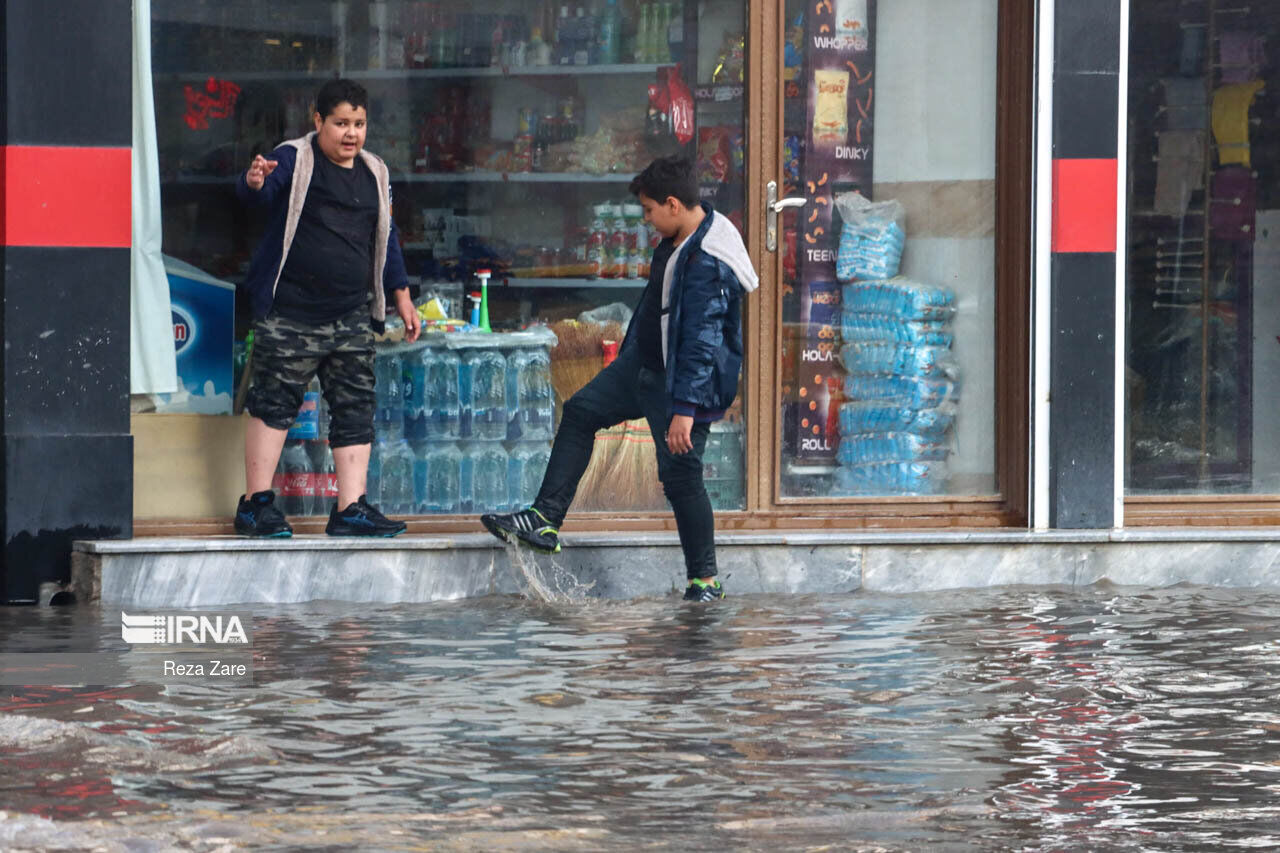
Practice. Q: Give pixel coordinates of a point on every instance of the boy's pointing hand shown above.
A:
(258, 171)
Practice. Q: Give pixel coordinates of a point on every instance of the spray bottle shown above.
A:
(483, 275)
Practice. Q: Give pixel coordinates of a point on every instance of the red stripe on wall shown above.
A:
(1084, 205)
(57, 196)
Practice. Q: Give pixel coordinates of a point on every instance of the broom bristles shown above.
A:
(633, 476)
(594, 489)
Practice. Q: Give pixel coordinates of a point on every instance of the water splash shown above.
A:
(543, 579)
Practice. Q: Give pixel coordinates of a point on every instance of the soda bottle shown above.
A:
(294, 481)
(326, 478)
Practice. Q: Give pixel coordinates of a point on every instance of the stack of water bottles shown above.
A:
(305, 481)
(900, 391)
(871, 238)
(463, 425)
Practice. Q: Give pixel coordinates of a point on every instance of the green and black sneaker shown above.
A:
(527, 527)
(700, 590)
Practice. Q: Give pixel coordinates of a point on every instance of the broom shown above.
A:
(575, 359)
(595, 491)
(632, 476)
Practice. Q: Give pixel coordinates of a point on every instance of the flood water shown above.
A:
(1101, 718)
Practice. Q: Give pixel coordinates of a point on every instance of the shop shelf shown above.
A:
(507, 71)
(419, 73)
(613, 283)
(513, 177)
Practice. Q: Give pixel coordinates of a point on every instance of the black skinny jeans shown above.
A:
(621, 392)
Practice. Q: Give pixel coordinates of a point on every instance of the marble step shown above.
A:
(218, 571)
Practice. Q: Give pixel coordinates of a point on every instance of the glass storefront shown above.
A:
(888, 274)
(512, 130)
(1203, 301)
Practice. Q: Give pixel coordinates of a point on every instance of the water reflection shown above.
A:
(1037, 718)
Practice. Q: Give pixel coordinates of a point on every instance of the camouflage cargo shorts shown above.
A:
(288, 353)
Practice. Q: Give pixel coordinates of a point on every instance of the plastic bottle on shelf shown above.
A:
(414, 374)
(442, 465)
(609, 34)
(294, 480)
(488, 463)
(644, 32)
(441, 395)
(488, 385)
(396, 468)
(388, 393)
(527, 465)
(530, 396)
(373, 479)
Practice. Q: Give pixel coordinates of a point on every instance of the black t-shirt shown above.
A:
(331, 258)
(648, 317)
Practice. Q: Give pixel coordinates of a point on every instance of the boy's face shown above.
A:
(341, 133)
(663, 216)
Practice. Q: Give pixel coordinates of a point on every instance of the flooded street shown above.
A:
(1101, 718)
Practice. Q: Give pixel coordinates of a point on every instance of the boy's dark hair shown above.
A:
(336, 91)
(666, 177)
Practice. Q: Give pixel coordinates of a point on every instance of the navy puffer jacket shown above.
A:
(702, 327)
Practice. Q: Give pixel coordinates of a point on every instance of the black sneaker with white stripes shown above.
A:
(700, 590)
(527, 527)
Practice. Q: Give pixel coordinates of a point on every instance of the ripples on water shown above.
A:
(1018, 718)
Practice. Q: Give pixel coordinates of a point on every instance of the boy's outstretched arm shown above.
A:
(262, 181)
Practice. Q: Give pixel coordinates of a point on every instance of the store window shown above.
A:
(512, 130)
(1203, 312)
(889, 266)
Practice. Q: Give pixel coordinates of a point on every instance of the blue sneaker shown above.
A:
(362, 519)
(258, 516)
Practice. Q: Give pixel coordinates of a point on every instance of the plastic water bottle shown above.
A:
(414, 372)
(443, 466)
(530, 396)
(488, 394)
(525, 469)
(442, 395)
(304, 426)
(373, 482)
(420, 450)
(389, 391)
(467, 476)
(488, 463)
(464, 397)
(397, 478)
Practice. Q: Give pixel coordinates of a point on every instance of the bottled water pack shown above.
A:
(892, 358)
(891, 478)
(900, 297)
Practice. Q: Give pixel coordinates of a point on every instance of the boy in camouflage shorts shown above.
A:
(320, 284)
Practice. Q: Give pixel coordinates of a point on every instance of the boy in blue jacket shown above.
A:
(319, 286)
(678, 368)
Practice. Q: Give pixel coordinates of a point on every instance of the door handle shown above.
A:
(772, 207)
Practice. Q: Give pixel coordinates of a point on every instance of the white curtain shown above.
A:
(152, 366)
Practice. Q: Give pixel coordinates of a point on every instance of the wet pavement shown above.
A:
(1019, 718)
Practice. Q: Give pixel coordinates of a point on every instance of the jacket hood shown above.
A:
(723, 242)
